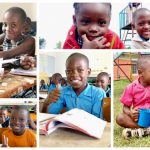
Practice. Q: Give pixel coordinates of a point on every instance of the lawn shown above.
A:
(119, 141)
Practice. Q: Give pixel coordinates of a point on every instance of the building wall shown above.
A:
(118, 74)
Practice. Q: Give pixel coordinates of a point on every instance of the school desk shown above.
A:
(63, 137)
(13, 84)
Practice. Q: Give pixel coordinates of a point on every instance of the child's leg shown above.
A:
(126, 121)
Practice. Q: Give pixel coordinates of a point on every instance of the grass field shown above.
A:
(119, 141)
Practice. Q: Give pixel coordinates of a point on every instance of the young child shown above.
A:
(141, 23)
(78, 94)
(136, 96)
(90, 29)
(102, 81)
(56, 80)
(43, 86)
(19, 135)
(4, 118)
(14, 42)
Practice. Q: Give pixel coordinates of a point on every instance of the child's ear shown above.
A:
(89, 71)
(140, 72)
(74, 20)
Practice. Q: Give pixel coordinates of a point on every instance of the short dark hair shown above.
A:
(78, 55)
(18, 10)
(139, 11)
(58, 76)
(76, 6)
(21, 107)
(142, 61)
(101, 74)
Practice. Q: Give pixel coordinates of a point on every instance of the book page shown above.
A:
(21, 71)
(83, 121)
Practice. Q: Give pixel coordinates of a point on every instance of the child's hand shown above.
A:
(27, 62)
(54, 95)
(135, 114)
(98, 43)
(5, 142)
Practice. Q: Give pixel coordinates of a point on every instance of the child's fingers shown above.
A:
(84, 38)
(58, 86)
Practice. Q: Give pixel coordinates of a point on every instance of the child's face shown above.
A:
(102, 81)
(142, 24)
(18, 121)
(12, 26)
(3, 115)
(55, 80)
(77, 72)
(145, 74)
(92, 19)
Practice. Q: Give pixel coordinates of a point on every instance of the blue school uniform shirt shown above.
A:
(89, 100)
(53, 86)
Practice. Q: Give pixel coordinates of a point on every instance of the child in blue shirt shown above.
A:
(79, 94)
(102, 81)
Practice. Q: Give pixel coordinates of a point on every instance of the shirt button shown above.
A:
(71, 33)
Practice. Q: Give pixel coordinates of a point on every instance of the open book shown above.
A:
(76, 119)
(21, 71)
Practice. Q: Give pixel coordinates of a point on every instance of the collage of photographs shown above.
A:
(74, 74)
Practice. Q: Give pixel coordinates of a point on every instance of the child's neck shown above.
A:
(17, 39)
(144, 39)
(20, 133)
(79, 90)
(143, 83)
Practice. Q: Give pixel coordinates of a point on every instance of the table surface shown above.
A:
(14, 84)
(64, 137)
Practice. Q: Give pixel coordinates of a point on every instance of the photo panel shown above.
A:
(18, 53)
(60, 78)
(18, 123)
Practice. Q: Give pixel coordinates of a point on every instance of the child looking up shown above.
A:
(19, 135)
(135, 97)
(103, 82)
(90, 29)
(78, 94)
(14, 42)
(141, 23)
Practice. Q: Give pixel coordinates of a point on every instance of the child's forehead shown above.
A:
(93, 7)
(19, 112)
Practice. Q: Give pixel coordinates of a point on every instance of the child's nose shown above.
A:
(146, 25)
(93, 28)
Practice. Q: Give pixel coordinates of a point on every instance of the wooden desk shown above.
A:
(14, 84)
(63, 137)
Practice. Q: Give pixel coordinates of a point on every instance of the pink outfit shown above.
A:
(136, 95)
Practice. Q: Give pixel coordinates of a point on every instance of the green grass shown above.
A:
(119, 141)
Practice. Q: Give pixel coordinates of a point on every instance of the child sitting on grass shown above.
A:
(135, 97)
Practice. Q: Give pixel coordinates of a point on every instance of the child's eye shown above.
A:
(102, 22)
(68, 71)
(85, 21)
(80, 70)
(13, 25)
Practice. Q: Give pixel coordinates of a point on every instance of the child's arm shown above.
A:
(27, 62)
(27, 47)
(32, 125)
(133, 113)
(97, 43)
(53, 96)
